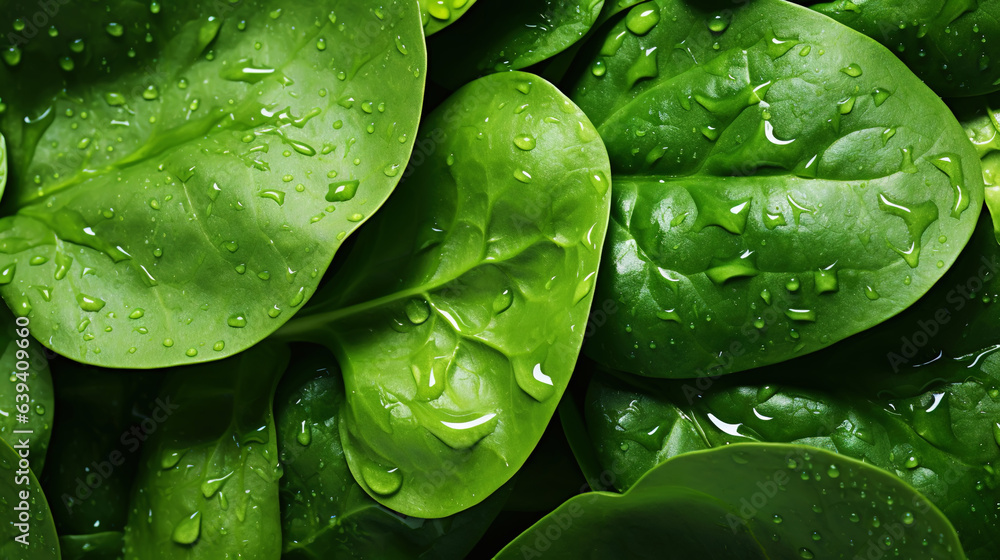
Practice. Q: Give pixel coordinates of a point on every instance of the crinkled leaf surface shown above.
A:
(183, 172)
(950, 44)
(942, 438)
(502, 36)
(981, 119)
(207, 484)
(43, 543)
(324, 511)
(36, 387)
(459, 315)
(747, 501)
(775, 170)
(438, 14)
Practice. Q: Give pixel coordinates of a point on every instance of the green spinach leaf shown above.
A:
(179, 199)
(28, 532)
(503, 36)
(781, 182)
(459, 314)
(747, 501)
(943, 440)
(324, 511)
(207, 484)
(949, 44)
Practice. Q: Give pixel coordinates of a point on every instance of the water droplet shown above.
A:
(879, 95)
(168, 342)
(114, 29)
(237, 321)
(188, 529)
(380, 480)
(642, 18)
(136, 313)
(950, 165)
(719, 22)
(871, 294)
(277, 196)
(852, 70)
(342, 191)
(304, 436)
(525, 142)
(219, 346)
(503, 301)
(89, 303)
(645, 66)
(417, 311)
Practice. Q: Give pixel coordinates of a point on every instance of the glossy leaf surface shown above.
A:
(950, 44)
(981, 119)
(747, 501)
(460, 313)
(183, 173)
(781, 182)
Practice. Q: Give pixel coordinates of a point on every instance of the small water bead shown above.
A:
(598, 69)
(525, 142)
(114, 29)
(168, 342)
(911, 462)
(777, 519)
(237, 321)
(719, 22)
(191, 352)
(219, 346)
(852, 70)
(67, 64)
(806, 553)
(12, 56)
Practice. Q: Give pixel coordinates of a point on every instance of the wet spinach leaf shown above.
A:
(950, 44)
(207, 484)
(747, 501)
(776, 187)
(942, 439)
(459, 314)
(28, 517)
(178, 203)
(325, 513)
(503, 36)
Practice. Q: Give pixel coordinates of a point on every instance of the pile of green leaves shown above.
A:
(451, 279)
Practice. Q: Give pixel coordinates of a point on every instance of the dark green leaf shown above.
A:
(98, 546)
(949, 44)
(179, 203)
(502, 36)
(460, 313)
(781, 183)
(944, 440)
(26, 368)
(207, 484)
(752, 501)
